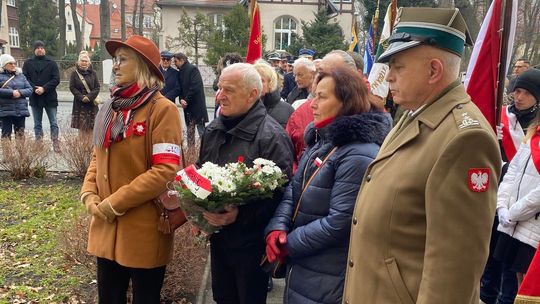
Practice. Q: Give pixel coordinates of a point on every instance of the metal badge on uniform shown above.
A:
(318, 162)
(479, 179)
(467, 121)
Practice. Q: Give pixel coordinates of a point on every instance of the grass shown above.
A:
(32, 215)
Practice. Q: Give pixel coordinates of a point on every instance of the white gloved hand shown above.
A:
(503, 217)
(499, 131)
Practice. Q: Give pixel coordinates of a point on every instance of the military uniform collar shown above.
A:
(434, 113)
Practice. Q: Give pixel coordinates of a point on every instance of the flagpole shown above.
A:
(504, 57)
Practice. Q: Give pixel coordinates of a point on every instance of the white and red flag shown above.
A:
(482, 75)
(199, 185)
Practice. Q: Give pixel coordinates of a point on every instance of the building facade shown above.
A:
(9, 29)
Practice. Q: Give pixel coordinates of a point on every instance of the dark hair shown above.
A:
(180, 56)
(350, 89)
(231, 58)
(525, 60)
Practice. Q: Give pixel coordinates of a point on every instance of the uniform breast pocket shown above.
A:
(397, 281)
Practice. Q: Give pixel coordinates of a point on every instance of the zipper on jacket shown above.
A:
(519, 187)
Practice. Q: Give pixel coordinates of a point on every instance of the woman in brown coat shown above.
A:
(84, 101)
(137, 139)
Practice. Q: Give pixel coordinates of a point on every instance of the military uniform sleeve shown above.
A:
(166, 133)
(459, 219)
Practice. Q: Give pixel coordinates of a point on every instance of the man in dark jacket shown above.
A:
(243, 129)
(43, 75)
(171, 90)
(191, 95)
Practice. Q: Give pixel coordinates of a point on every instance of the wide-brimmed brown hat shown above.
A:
(148, 51)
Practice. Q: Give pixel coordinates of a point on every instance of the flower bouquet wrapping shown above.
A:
(212, 187)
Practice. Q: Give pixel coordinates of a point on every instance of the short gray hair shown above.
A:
(305, 62)
(249, 75)
(347, 59)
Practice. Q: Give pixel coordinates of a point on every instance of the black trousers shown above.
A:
(237, 277)
(10, 123)
(113, 281)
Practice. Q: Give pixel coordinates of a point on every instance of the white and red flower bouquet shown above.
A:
(212, 187)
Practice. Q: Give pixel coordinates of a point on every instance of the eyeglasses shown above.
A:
(165, 59)
(519, 66)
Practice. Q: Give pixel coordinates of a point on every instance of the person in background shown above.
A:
(304, 74)
(276, 108)
(171, 90)
(242, 129)
(84, 85)
(421, 226)
(316, 244)
(43, 75)
(192, 97)
(288, 79)
(137, 139)
(14, 91)
(518, 199)
(521, 65)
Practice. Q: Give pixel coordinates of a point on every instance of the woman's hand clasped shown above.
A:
(275, 245)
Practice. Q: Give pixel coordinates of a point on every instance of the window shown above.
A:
(116, 31)
(217, 20)
(13, 37)
(147, 22)
(284, 27)
(69, 28)
(11, 2)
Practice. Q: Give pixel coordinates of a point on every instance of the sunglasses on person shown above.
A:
(165, 59)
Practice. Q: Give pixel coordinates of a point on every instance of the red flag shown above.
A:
(483, 70)
(529, 291)
(254, 50)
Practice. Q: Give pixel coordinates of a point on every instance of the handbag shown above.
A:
(97, 100)
(171, 216)
(7, 81)
(278, 268)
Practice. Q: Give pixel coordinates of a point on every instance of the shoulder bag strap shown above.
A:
(308, 182)
(83, 82)
(7, 81)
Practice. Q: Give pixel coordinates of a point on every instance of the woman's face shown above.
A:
(266, 85)
(325, 104)
(84, 63)
(10, 67)
(125, 67)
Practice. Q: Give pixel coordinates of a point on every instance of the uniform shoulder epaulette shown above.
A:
(465, 119)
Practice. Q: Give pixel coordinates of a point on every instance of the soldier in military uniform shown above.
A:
(423, 218)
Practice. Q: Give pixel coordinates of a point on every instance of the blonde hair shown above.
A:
(267, 72)
(145, 77)
(531, 129)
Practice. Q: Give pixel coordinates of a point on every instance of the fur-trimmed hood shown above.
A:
(369, 127)
(18, 70)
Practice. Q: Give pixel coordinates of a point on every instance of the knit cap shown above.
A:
(530, 81)
(38, 43)
(5, 59)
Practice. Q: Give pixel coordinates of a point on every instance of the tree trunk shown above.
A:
(134, 17)
(141, 17)
(62, 25)
(105, 31)
(123, 21)
(446, 3)
(76, 25)
(83, 25)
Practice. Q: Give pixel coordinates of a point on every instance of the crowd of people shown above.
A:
(432, 206)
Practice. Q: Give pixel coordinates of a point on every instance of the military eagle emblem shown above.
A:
(478, 179)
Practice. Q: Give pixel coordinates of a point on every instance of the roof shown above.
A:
(198, 3)
(147, 9)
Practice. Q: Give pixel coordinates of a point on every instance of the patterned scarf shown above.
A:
(113, 121)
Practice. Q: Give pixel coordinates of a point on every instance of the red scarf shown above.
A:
(535, 149)
(324, 123)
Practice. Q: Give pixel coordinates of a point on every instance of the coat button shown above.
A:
(105, 177)
(368, 178)
(354, 221)
(351, 263)
(347, 302)
(459, 106)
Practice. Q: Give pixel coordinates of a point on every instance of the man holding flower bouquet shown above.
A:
(243, 130)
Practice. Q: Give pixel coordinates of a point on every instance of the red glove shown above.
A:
(275, 245)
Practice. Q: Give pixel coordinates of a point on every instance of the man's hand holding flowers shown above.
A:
(222, 219)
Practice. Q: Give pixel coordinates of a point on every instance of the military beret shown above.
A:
(443, 28)
(166, 54)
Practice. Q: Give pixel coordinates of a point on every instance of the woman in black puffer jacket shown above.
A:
(316, 244)
(14, 89)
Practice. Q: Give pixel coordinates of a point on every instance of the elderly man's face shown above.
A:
(408, 77)
(519, 67)
(234, 98)
(165, 62)
(303, 77)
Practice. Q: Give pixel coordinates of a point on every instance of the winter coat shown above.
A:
(277, 108)
(44, 74)
(172, 88)
(10, 106)
(257, 135)
(319, 239)
(288, 85)
(83, 114)
(192, 91)
(296, 126)
(296, 94)
(520, 194)
(422, 222)
(120, 173)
